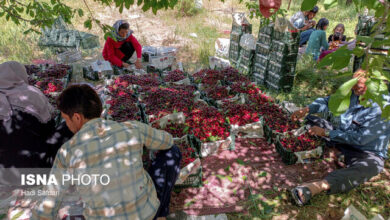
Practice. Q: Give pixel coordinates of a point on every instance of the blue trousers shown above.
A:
(164, 171)
(304, 38)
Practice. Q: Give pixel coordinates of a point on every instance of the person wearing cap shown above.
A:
(303, 21)
(362, 136)
(119, 49)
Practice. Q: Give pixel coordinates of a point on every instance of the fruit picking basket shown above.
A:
(191, 169)
(298, 149)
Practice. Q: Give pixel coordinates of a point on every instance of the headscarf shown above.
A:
(16, 94)
(116, 31)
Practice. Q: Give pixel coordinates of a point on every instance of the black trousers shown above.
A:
(128, 50)
(360, 165)
(164, 171)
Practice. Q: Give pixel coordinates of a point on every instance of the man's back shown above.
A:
(114, 149)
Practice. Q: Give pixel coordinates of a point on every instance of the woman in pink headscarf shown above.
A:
(28, 136)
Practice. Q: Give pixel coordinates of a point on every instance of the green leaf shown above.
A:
(262, 174)
(330, 4)
(386, 112)
(185, 130)
(244, 178)
(227, 169)
(188, 204)
(340, 100)
(128, 3)
(80, 12)
(220, 176)
(338, 59)
(229, 178)
(251, 143)
(358, 51)
(241, 162)
(308, 5)
(339, 104)
(88, 24)
(366, 39)
(121, 8)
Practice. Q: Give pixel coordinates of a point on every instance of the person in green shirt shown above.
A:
(317, 40)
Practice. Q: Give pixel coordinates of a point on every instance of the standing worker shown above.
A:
(119, 50)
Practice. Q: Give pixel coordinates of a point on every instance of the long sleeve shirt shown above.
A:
(359, 127)
(317, 41)
(111, 148)
(113, 54)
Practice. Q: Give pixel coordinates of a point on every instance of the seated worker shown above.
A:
(114, 149)
(338, 34)
(317, 41)
(119, 50)
(303, 21)
(29, 137)
(335, 40)
(360, 134)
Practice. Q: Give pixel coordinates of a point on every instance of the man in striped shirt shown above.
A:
(104, 147)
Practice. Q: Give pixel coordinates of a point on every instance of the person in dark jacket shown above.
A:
(119, 50)
(29, 137)
(362, 136)
(338, 34)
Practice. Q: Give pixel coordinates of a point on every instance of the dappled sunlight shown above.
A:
(230, 177)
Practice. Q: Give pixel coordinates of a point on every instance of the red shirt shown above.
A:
(114, 55)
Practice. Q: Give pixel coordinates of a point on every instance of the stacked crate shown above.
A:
(245, 61)
(282, 60)
(365, 28)
(235, 36)
(263, 48)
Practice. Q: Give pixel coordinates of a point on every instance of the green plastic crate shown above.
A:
(365, 25)
(287, 68)
(247, 53)
(235, 36)
(242, 29)
(264, 39)
(259, 73)
(234, 46)
(286, 37)
(288, 156)
(284, 84)
(282, 58)
(267, 30)
(284, 48)
(245, 61)
(262, 49)
(234, 56)
(261, 60)
(193, 180)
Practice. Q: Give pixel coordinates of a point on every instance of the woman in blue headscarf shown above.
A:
(119, 50)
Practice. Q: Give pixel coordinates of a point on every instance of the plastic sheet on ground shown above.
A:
(218, 63)
(222, 47)
(252, 130)
(351, 213)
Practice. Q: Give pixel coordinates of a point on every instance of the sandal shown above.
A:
(305, 192)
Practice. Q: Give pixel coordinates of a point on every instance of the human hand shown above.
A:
(138, 64)
(299, 114)
(315, 130)
(125, 65)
